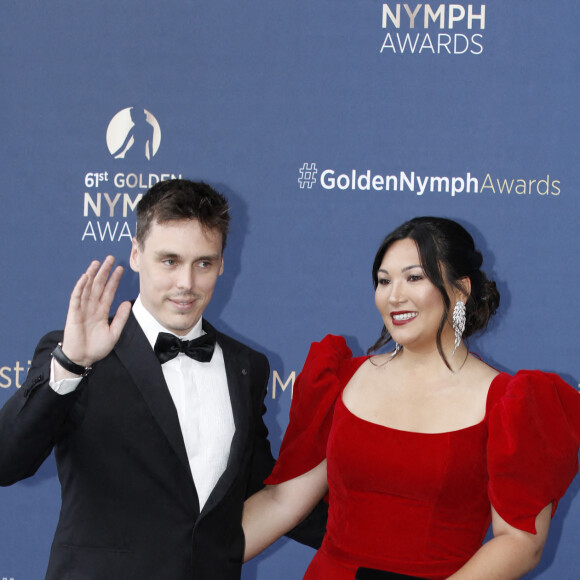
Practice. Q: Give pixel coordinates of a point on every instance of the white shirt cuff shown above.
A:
(64, 386)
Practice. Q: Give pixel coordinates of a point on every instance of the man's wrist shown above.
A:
(67, 364)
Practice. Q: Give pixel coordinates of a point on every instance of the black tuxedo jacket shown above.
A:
(129, 503)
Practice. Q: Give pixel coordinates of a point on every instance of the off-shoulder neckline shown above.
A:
(474, 427)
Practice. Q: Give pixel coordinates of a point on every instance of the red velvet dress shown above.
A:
(417, 503)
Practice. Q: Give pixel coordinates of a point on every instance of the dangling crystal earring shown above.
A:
(458, 323)
(398, 349)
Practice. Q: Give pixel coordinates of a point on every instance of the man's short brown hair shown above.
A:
(181, 199)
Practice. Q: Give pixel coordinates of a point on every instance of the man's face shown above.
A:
(178, 264)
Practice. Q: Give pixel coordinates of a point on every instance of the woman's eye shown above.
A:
(383, 281)
(415, 277)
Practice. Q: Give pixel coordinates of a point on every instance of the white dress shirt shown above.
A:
(200, 395)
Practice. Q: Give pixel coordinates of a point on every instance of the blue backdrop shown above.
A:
(326, 124)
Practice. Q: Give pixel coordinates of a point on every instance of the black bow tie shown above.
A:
(168, 346)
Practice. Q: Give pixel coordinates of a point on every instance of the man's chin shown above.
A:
(179, 326)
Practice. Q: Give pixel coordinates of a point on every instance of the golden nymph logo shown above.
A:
(110, 200)
(451, 29)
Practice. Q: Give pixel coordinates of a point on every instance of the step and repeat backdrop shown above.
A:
(326, 124)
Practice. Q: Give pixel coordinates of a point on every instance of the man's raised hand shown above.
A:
(88, 336)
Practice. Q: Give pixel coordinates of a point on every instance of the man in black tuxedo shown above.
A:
(157, 444)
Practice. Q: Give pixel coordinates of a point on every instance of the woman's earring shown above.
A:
(398, 348)
(458, 323)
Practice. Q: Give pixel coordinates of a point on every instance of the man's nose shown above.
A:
(185, 278)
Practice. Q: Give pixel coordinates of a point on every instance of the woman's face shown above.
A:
(411, 306)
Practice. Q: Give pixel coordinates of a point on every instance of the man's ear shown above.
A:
(134, 256)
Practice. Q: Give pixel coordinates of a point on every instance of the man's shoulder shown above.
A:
(229, 342)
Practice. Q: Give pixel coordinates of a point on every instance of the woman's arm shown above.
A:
(276, 509)
(510, 554)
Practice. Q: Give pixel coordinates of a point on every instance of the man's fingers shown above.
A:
(97, 286)
(82, 287)
(89, 277)
(77, 292)
(110, 289)
(121, 316)
(100, 279)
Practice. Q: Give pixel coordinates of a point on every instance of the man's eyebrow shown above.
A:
(173, 255)
(166, 254)
(208, 257)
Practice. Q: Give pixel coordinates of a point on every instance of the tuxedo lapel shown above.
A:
(138, 358)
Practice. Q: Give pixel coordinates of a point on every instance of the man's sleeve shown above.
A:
(312, 529)
(262, 459)
(32, 419)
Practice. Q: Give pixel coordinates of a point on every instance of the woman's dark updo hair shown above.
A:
(447, 253)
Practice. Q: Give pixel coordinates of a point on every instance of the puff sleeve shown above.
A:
(328, 367)
(532, 454)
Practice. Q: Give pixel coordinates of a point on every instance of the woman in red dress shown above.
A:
(418, 450)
